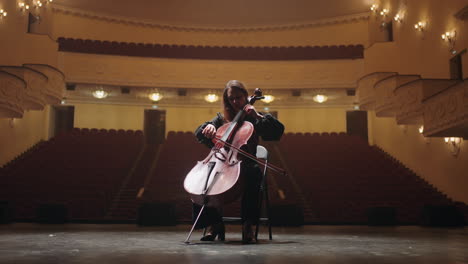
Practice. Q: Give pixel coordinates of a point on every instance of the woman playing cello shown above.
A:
(235, 98)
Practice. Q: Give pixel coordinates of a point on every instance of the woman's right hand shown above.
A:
(209, 131)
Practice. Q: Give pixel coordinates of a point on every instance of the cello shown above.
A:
(216, 180)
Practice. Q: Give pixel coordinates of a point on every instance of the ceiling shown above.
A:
(222, 13)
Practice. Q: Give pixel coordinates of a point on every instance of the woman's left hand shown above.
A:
(251, 111)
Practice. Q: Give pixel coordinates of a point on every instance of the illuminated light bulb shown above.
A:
(374, 7)
(446, 139)
(268, 99)
(100, 94)
(211, 98)
(398, 18)
(421, 129)
(384, 12)
(320, 98)
(420, 26)
(155, 96)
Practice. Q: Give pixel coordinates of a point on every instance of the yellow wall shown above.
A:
(17, 46)
(415, 52)
(109, 116)
(17, 135)
(430, 158)
(189, 118)
(313, 120)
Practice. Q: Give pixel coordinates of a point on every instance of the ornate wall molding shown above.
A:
(410, 98)
(366, 92)
(210, 74)
(53, 93)
(183, 28)
(386, 99)
(446, 112)
(12, 90)
(211, 52)
(36, 83)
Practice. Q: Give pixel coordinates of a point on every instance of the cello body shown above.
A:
(217, 180)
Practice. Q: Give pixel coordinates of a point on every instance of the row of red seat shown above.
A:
(64, 168)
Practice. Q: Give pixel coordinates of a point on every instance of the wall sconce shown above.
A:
(398, 18)
(37, 4)
(320, 98)
(268, 98)
(155, 96)
(211, 98)
(374, 8)
(3, 13)
(384, 12)
(421, 129)
(420, 26)
(23, 7)
(100, 93)
(454, 144)
(449, 37)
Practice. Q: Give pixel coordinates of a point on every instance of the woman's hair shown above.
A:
(229, 112)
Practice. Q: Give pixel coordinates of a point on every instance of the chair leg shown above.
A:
(268, 212)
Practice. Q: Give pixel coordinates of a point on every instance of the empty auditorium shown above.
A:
(265, 131)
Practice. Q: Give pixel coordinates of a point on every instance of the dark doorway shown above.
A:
(155, 126)
(64, 119)
(356, 123)
(456, 69)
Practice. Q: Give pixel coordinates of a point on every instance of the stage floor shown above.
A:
(110, 243)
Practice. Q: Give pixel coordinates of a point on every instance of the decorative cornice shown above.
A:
(211, 52)
(180, 27)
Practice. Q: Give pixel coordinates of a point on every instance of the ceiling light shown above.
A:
(100, 93)
(268, 98)
(320, 98)
(155, 96)
(211, 98)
